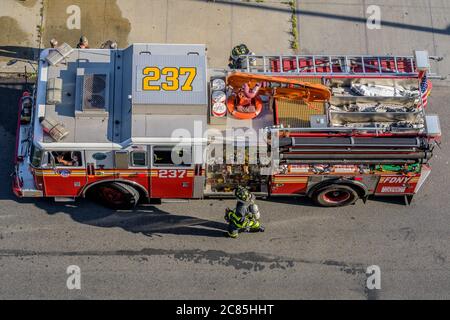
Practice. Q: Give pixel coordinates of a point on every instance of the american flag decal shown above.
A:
(425, 89)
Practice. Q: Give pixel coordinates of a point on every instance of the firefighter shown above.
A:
(73, 162)
(235, 62)
(83, 44)
(110, 44)
(53, 43)
(245, 218)
(245, 98)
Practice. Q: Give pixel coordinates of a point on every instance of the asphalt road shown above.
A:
(178, 251)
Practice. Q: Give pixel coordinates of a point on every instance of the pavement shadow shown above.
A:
(302, 201)
(26, 53)
(399, 200)
(10, 92)
(148, 220)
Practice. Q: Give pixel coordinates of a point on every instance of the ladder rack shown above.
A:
(333, 65)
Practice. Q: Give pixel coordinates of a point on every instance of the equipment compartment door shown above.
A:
(138, 169)
(397, 184)
(172, 172)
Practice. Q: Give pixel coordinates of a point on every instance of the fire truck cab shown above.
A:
(151, 121)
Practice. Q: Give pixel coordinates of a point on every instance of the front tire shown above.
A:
(335, 195)
(117, 195)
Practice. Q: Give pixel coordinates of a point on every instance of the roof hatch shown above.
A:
(92, 88)
(94, 91)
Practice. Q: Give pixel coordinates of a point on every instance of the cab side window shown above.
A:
(138, 159)
(66, 158)
(171, 157)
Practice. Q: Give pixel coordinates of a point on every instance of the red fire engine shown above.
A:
(153, 122)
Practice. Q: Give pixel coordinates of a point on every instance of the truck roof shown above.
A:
(98, 95)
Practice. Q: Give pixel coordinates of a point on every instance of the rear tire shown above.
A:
(117, 195)
(335, 195)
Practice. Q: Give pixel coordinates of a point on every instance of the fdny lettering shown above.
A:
(193, 310)
(396, 180)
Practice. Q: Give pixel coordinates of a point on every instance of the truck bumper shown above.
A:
(22, 192)
(15, 186)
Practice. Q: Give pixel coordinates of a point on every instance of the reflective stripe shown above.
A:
(233, 235)
(235, 219)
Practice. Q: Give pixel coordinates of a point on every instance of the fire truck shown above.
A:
(152, 121)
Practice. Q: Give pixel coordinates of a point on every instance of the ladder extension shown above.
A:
(332, 65)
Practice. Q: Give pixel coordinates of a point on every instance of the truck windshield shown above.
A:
(35, 156)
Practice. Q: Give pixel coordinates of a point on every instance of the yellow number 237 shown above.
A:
(172, 78)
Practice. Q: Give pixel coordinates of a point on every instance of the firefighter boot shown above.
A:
(233, 232)
(255, 226)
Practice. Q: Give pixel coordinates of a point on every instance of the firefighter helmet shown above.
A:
(53, 43)
(239, 50)
(83, 40)
(243, 194)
